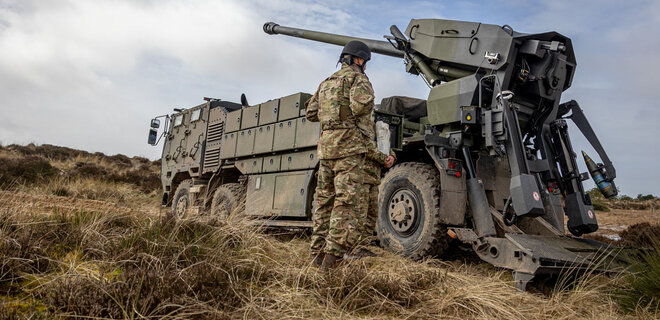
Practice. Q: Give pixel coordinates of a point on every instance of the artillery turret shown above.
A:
(494, 97)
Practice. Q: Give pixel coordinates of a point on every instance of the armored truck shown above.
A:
(485, 160)
(219, 157)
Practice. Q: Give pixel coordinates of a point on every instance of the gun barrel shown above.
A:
(376, 46)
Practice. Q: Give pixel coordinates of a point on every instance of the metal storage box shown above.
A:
(307, 133)
(269, 112)
(263, 141)
(291, 193)
(259, 197)
(245, 142)
(272, 163)
(299, 160)
(285, 135)
(278, 194)
(290, 105)
(228, 147)
(250, 166)
(233, 122)
(250, 117)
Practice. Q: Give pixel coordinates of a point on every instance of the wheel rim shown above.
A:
(222, 207)
(404, 211)
(181, 207)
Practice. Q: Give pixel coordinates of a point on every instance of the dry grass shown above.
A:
(116, 265)
(61, 171)
(81, 245)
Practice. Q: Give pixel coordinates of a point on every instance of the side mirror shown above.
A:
(155, 123)
(153, 136)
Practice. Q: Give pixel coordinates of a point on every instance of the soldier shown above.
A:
(343, 104)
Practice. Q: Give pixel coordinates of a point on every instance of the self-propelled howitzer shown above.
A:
(493, 133)
(485, 159)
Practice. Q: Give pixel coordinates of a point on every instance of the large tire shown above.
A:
(228, 198)
(409, 211)
(181, 201)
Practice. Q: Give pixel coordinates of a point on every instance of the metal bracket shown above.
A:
(580, 120)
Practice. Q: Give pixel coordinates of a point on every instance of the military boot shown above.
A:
(359, 254)
(331, 261)
(318, 259)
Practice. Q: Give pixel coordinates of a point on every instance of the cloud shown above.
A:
(90, 74)
(614, 80)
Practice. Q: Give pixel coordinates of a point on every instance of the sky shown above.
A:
(90, 74)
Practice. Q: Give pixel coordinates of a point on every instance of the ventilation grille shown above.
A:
(213, 142)
(215, 132)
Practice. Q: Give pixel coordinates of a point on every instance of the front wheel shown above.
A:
(409, 211)
(181, 201)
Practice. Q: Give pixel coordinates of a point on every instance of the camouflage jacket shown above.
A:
(343, 104)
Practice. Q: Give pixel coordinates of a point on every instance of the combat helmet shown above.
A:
(357, 49)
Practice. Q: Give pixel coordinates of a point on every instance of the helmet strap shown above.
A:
(347, 60)
(364, 63)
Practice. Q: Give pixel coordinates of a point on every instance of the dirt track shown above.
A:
(617, 220)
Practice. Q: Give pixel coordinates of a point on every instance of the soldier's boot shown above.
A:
(331, 261)
(364, 252)
(359, 254)
(318, 259)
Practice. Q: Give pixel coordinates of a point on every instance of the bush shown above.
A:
(120, 160)
(146, 180)
(600, 205)
(595, 193)
(641, 197)
(24, 169)
(643, 291)
(643, 235)
(88, 170)
(145, 177)
(48, 151)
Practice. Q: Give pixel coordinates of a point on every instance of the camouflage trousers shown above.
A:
(337, 216)
(368, 213)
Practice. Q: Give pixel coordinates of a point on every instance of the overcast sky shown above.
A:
(90, 74)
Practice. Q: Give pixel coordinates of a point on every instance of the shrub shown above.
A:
(48, 151)
(641, 197)
(600, 205)
(643, 291)
(120, 160)
(640, 235)
(88, 170)
(595, 193)
(24, 169)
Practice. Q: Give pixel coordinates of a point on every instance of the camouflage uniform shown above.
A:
(343, 104)
(369, 202)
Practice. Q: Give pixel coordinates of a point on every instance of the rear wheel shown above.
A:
(181, 201)
(228, 198)
(409, 211)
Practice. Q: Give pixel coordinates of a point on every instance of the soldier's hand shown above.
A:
(389, 162)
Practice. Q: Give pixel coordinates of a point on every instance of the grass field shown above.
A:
(83, 235)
